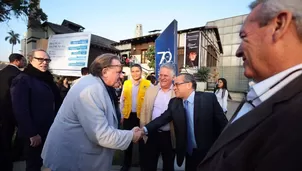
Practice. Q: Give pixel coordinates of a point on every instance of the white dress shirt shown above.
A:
(161, 105)
(263, 90)
(223, 101)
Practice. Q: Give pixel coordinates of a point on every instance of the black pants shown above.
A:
(6, 134)
(192, 161)
(159, 143)
(33, 158)
(128, 124)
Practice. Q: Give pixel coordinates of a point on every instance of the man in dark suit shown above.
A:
(7, 121)
(198, 120)
(265, 134)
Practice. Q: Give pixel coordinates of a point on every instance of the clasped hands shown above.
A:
(138, 134)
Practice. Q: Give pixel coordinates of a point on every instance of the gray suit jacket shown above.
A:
(84, 134)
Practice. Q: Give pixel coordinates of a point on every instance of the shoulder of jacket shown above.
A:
(205, 94)
(21, 78)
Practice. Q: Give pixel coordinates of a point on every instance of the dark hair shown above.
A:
(15, 56)
(138, 66)
(152, 79)
(224, 87)
(60, 80)
(84, 71)
(189, 78)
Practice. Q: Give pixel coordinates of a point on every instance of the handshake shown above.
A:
(138, 134)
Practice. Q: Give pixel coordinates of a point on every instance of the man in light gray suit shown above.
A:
(84, 134)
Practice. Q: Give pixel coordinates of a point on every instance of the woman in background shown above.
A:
(63, 86)
(222, 94)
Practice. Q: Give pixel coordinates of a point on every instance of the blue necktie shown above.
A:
(189, 130)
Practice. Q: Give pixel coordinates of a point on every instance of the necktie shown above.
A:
(190, 133)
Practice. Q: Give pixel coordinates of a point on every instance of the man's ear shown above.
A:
(281, 24)
(104, 71)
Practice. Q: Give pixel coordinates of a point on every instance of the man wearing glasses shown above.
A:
(198, 120)
(85, 132)
(35, 102)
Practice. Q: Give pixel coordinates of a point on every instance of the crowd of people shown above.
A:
(79, 127)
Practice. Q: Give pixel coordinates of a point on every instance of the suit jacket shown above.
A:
(7, 74)
(267, 138)
(147, 110)
(84, 134)
(209, 121)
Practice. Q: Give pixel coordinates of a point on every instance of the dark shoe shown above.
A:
(125, 168)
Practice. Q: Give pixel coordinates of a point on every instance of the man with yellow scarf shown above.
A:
(132, 99)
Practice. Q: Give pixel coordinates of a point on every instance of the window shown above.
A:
(211, 56)
(143, 57)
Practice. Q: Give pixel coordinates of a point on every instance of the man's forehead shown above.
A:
(41, 54)
(115, 62)
(249, 23)
(179, 78)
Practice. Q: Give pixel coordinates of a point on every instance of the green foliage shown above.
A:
(202, 74)
(13, 38)
(150, 54)
(18, 8)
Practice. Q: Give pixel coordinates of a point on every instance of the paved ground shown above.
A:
(232, 106)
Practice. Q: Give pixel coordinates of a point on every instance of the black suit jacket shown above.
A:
(268, 138)
(209, 121)
(7, 74)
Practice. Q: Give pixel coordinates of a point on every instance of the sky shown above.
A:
(116, 19)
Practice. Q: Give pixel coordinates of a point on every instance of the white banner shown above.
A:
(68, 53)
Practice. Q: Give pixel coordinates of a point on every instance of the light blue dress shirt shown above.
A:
(190, 122)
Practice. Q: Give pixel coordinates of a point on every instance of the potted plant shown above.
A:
(201, 76)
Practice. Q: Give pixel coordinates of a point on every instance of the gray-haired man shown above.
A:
(84, 134)
(197, 118)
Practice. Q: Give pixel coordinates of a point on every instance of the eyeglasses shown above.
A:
(41, 60)
(177, 84)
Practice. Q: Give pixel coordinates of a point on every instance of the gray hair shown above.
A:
(190, 79)
(271, 8)
(102, 62)
(169, 66)
(32, 53)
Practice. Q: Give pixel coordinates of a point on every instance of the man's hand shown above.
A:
(35, 141)
(137, 134)
(122, 121)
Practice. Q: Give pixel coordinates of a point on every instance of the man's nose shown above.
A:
(239, 52)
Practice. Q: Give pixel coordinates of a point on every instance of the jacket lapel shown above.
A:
(151, 101)
(255, 116)
(106, 94)
(198, 107)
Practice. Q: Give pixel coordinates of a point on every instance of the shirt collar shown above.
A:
(14, 65)
(190, 99)
(171, 87)
(260, 88)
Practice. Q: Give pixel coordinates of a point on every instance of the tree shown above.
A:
(13, 38)
(150, 54)
(20, 8)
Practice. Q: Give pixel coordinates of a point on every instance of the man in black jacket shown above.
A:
(7, 121)
(198, 121)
